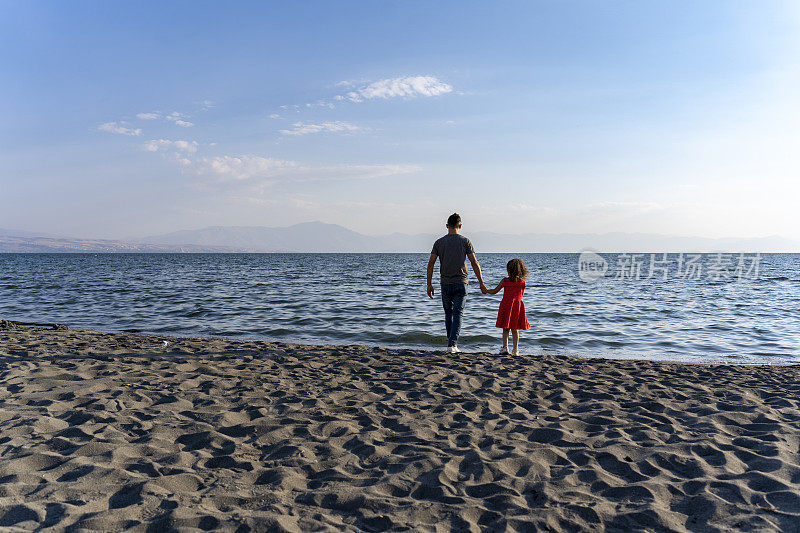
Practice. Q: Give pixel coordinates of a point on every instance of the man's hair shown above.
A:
(454, 220)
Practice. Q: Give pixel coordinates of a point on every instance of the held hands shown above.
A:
(484, 290)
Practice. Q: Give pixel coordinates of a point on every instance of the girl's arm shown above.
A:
(496, 289)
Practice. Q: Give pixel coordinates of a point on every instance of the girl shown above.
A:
(511, 315)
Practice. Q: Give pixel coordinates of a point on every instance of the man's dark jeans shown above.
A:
(453, 297)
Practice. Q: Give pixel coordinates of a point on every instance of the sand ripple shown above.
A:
(112, 432)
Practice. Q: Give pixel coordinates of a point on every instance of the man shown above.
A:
(452, 250)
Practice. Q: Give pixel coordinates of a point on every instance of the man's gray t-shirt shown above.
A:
(452, 250)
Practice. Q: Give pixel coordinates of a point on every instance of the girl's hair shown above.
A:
(516, 270)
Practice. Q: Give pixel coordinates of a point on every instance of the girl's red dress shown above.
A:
(511, 314)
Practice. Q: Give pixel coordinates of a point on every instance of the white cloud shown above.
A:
(228, 167)
(258, 169)
(299, 128)
(186, 146)
(405, 87)
(175, 117)
(274, 115)
(155, 145)
(408, 87)
(120, 128)
(178, 119)
(359, 172)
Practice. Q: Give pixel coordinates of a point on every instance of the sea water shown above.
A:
(380, 299)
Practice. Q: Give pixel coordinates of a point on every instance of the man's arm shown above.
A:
(431, 263)
(477, 269)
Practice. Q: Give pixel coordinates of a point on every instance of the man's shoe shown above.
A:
(454, 349)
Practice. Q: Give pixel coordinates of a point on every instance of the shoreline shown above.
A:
(115, 431)
(160, 337)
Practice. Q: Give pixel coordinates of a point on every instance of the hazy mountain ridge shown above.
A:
(4, 232)
(305, 237)
(321, 237)
(15, 244)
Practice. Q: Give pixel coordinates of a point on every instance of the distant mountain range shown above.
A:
(321, 237)
(305, 237)
(34, 244)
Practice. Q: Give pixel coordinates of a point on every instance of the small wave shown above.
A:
(277, 332)
(719, 327)
(170, 329)
(547, 314)
(553, 341)
(623, 318)
(422, 337)
(597, 333)
(667, 343)
(599, 343)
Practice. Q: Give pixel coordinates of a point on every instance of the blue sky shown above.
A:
(126, 119)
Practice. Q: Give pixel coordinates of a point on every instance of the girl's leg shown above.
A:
(515, 340)
(505, 339)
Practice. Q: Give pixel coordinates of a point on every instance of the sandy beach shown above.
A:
(112, 432)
